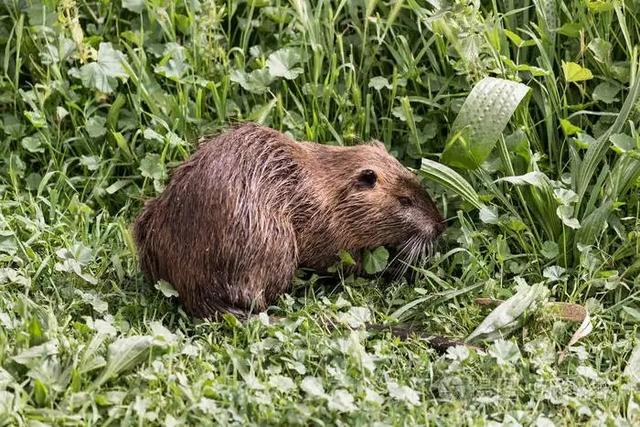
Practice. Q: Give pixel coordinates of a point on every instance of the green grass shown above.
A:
(100, 100)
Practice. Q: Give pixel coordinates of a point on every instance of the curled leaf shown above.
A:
(451, 180)
(505, 318)
(585, 329)
(535, 178)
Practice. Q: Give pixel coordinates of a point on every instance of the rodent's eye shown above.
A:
(367, 178)
(405, 201)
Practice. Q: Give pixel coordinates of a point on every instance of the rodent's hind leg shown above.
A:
(262, 284)
(259, 273)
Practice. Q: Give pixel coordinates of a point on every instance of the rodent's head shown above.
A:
(384, 203)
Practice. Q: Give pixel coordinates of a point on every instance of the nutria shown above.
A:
(251, 205)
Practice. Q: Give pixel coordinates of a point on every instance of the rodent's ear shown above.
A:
(367, 178)
(378, 144)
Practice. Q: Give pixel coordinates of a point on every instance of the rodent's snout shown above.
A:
(437, 222)
(440, 227)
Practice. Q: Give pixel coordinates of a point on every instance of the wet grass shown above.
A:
(100, 100)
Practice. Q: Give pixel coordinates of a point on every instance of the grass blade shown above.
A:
(597, 151)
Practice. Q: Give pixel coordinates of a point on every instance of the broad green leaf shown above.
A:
(101, 327)
(588, 372)
(11, 275)
(93, 299)
(606, 92)
(505, 352)
(36, 353)
(11, 125)
(481, 120)
(575, 72)
(403, 393)
(39, 393)
(174, 140)
(565, 213)
(535, 178)
(584, 140)
(33, 181)
(96, 126)
(621, 71)
(126, 353)
(564, 196)
(166, 288)
(101, 74)
(373, 396)
(173, 64)
(136, 6)
(534, 71)
(312, 386)
(515, 39)
(550, 250)
(379, 83)
(32, 143)
(72, 260)
(569, 128)
(601, 50)
(257, 81)
(8, 243)
(36, 118)
(161, 334)
(341, 401)
(489, 214)
(346, 258)
(375, 261)
(505, 318)
(598, 6)
(356, 317)
(554, 273)
(622, 142)
(282, 383)
(61, 113)
(571, 29)
(281, 63)
(152, 135)
(152, 167)
(90, 162)
(451, 180)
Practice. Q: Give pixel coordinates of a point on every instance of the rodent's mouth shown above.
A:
(412, 252)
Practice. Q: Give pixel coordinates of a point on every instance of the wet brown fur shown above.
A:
(251, 205)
